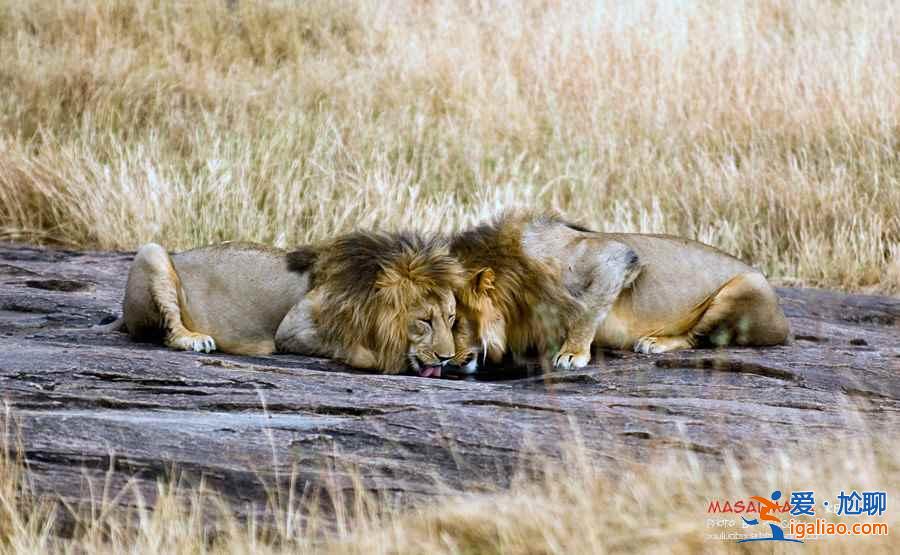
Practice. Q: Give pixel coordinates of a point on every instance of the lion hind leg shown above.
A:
(744, 311)
(677, 335)
(609, 271)
(152, 300)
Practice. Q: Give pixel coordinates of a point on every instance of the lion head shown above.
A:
(511, 302)
(392, 294)
(480, 328)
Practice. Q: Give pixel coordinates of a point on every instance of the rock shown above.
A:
(96, 406)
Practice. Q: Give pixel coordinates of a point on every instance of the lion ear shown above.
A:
(482, 281)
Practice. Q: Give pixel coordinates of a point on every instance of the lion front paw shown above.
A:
(192, 342)
(656, 344)
(569, 358)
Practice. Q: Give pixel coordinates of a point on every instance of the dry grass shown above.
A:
(769, 128)
(571, 506)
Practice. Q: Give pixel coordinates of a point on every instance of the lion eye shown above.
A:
(452, 319)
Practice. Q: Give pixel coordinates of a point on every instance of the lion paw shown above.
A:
(192, 342)
(568, 359)
(655, 344)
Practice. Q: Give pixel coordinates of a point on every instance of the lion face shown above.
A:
(416, 310)
(480, 331)
(430, 328)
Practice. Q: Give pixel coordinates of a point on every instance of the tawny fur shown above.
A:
(558, 288)
(229, 297)
(372, 300)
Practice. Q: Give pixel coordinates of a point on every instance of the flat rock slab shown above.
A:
(100, 408)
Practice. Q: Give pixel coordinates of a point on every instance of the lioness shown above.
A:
(538, 282)
(371, 300)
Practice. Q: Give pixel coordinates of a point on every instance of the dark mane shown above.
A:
(302, 259)
(354, 262)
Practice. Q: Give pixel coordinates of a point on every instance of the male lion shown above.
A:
(371, 300)
(377, 300)
(538, 282)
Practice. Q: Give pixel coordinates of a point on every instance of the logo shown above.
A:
(767, 506)
(763, 519)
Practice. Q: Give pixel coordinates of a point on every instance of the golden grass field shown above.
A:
(769, 128)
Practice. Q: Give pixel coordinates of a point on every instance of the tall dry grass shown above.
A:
(769, 128)
(569, 506)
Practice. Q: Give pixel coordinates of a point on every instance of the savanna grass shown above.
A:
(768, 128)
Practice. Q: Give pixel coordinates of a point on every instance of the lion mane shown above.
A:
(367, 281)
(525, 291)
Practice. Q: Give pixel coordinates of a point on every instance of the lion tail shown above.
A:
(687, 322)
(110, 324)
(105, 326)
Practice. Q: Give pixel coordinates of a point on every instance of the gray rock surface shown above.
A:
(97, 407)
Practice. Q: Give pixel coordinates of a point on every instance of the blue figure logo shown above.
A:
(765, 507)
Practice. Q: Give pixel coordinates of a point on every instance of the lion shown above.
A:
(376, 301)
(539, 283)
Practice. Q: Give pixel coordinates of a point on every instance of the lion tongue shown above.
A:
(430, 372)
